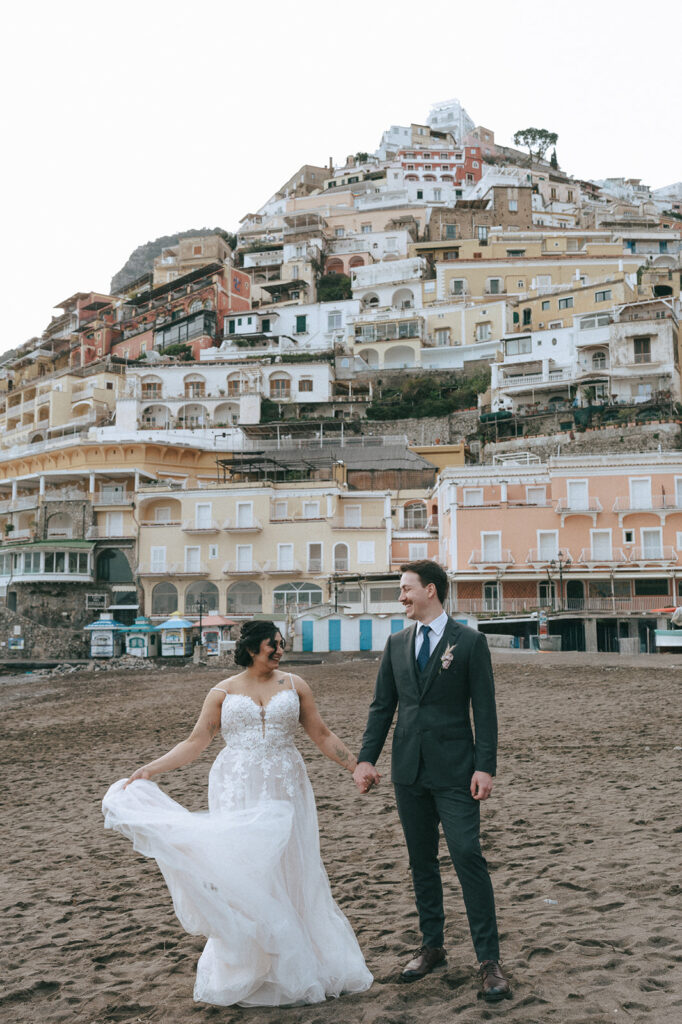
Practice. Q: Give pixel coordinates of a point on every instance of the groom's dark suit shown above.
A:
(433, 759)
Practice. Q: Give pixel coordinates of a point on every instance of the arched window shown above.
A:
(341, 559)
(195, 386)
(370, 300)
(280, 386)
(599, 361)
(356, 261)
(201, 598)
(415, 515)
(113, 567)
(164, 599)
(196, 306)
(60, 525)
(244, 598)
(152, 387)
(295, 596)
(334, 266)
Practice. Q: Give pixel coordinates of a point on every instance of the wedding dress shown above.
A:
(248, 873)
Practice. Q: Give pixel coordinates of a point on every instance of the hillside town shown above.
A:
(448, 348)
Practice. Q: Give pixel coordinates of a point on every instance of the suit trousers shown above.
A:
(421, 807)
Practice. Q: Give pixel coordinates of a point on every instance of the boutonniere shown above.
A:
(446, 657)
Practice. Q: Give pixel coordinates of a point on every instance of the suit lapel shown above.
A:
(433, 666)
(410, 635)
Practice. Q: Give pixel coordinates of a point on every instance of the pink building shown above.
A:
(594, 542)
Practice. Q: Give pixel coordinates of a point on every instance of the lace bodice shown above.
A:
(260, 759)
(246, 724)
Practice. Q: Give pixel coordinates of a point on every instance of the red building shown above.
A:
(188, 310)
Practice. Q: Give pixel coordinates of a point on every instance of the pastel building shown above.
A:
(595, 541)
(256, 548)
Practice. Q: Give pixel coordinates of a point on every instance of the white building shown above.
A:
(450, 116)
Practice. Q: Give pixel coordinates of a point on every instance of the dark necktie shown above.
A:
(424, 652)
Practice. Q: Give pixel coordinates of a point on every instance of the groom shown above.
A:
(432, 672)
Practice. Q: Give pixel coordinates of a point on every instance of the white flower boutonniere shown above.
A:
(446, 657)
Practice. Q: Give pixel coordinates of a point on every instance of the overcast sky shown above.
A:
(129, 120)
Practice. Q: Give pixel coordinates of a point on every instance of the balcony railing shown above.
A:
(162, 522)
(100, 533)
(656, 502)
(535, 380)
(662, 553)
(18, 504)
(536, 556)
(339, 523)
(341, 565)
(172, 569)
(243, 569)
(314, 565)
(528, 605)
(578, 505)
(502, 557)
(59, 532)
(192, 526)
(615, 557)
(280, 567)
(234, 526)
(114, 498)
(66, 494)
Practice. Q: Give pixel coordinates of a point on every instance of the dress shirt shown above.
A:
(436, 627)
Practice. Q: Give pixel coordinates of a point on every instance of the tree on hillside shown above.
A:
(536, 140)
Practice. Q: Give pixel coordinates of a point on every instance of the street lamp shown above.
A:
(562, 561)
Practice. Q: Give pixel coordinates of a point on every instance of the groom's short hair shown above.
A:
(429, 572)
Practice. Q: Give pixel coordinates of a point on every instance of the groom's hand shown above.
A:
(481, 785)
(365, 776)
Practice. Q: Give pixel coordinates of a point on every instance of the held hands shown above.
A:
(481, 785)
(365, 776)
(141, 773)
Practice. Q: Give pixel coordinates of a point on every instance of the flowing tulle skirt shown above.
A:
(252, 882)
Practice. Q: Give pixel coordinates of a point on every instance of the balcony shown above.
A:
(66, 494)
(529, 605)
(578, 507)
(99, 533)
(339, 523)
(290, 569)
(16, 535)
(263, 259)
(537, 557)
(113, 498)
(481, 559)
(161, 522)
(192, 526)
(59, 533)
(19, 504)
(661, 505)
(591, 558)
(534, 381)
(252, 526)
(661, 554)
(314, 565)
(172, 569)
(243, 569)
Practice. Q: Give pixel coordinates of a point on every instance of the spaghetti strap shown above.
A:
(220, 689)
(291, 680)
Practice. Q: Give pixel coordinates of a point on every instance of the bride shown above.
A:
(248, 873)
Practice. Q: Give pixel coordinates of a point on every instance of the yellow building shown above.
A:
(248, 548)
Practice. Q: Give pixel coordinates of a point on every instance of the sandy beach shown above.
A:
(582, 835)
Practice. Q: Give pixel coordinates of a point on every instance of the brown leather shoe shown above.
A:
(425, 959)
(494, 985)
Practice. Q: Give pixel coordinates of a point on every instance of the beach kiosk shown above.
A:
(106, 637)
(177, 637)
(142, 639)
(215, 631)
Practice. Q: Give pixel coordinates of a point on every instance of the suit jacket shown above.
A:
(434, 721)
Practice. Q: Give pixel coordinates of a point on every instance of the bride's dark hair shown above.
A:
(251, 637)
